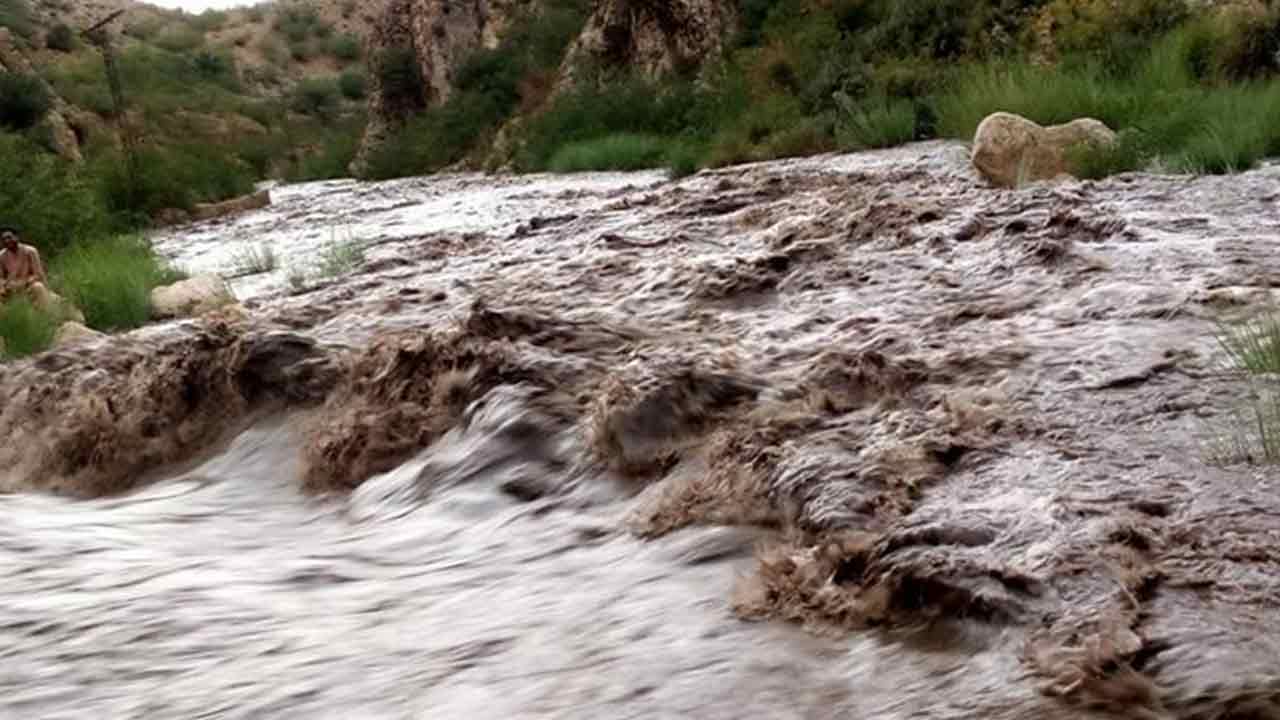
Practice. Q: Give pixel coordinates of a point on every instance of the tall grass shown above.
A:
(110, 280)
(25, 329)
(1252, 431)
(612, 152)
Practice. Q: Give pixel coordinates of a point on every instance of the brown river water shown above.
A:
(840, 437)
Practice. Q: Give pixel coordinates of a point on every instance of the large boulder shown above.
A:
(1009, 150)
(71, 333)
(244, 203)
(192, 297)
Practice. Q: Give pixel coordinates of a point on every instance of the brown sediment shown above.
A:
(943, 407)
(89, 422)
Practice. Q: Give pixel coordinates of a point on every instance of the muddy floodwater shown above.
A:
(849, 436)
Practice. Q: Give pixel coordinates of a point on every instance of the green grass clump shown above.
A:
(340, 256)
(612, 152)
(110, 280)
(875, 122)
(25, 329)
(1252, 350)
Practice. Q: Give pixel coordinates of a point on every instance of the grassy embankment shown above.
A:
(209, 124)
(1190, 91)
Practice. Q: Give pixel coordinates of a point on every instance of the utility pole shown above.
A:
(98, 36)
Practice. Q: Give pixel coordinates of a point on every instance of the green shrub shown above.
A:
(61, 38)
(345, 47)
(352, 84)
(612, 152)
(25, 329)
(16, 15)
(337, 145)
(217, 67)
(255, 13)
(45, 197)
(297, 22)
(23, 101)
(110, 280)
(318, 97)
(175, 176)
(400, 76)
(875, 123)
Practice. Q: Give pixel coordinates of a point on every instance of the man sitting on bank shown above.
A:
(21, 270)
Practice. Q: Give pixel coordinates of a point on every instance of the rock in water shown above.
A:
(1009, 149)
(244, 203)
(191, 297)
(71, 333)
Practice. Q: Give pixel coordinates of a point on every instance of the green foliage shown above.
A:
(345, 47)
(23, 101)
(44, 197)
(875, 122)
(16, 15)
(174, 176)
(352, 84)
(25, 329)
(110, 280)
(340, 256)
(297, 22)
(216, 67)
(1252, 351)
(318, 97)
(338, 144)
(612, 152)
(210, 21)
(61, 38)
(400, 76)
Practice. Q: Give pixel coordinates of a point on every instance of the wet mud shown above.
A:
(847, 436)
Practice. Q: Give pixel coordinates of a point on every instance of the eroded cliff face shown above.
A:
(440, 34)
(62, 136)
(652, 37)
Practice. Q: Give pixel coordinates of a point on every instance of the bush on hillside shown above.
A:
(216, 67)
(23, 101)
(16, 15)
(317, 97)
(400, 76)
(297, 22)
(345, 47)
(61, 38)
(352, 84)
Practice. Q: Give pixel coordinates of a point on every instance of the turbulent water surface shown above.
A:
(847, 436)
